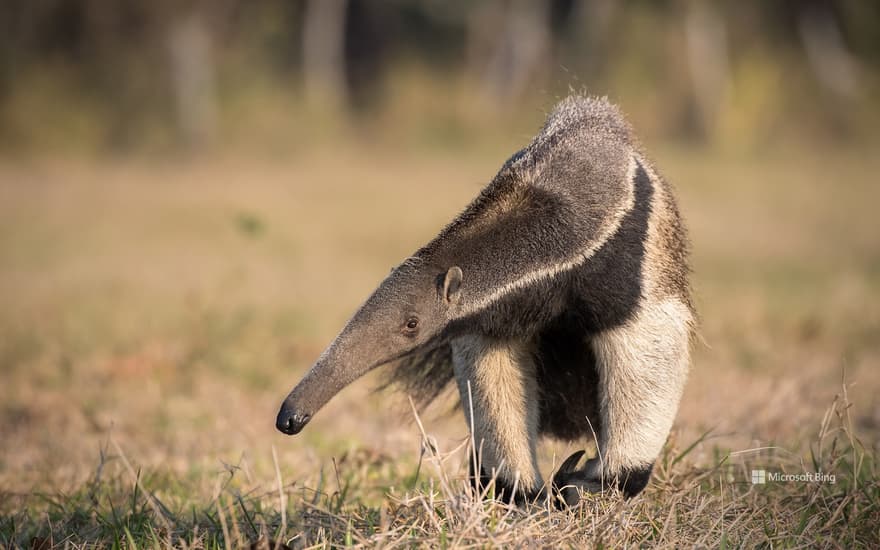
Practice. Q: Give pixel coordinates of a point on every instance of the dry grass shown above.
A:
(155, 314)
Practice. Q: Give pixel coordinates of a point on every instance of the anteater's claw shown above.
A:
(569, 482)
(570, 463)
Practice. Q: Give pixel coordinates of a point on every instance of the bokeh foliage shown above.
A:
(128, 75)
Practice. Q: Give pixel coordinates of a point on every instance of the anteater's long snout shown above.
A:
(334, 370)
(291, 421)
(307, 398)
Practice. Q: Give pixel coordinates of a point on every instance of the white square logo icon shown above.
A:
(759, 477)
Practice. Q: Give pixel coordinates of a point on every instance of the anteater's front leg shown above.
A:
(497, 383)
(642, 369)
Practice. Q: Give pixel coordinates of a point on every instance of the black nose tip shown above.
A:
(291, 423)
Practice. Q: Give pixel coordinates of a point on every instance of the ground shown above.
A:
(157, 311)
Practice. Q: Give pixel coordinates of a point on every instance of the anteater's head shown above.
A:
(409, 310)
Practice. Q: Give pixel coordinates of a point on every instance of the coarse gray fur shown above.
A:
(559, 302)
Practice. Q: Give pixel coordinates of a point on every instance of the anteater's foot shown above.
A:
(570, 483)
(503, 490)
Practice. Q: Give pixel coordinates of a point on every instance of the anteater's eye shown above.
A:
(412, 324)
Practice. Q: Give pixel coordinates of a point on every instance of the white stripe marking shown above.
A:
(580, 258)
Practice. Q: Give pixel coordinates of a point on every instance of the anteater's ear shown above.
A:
(452, 284)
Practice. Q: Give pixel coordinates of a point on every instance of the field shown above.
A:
(155, 312)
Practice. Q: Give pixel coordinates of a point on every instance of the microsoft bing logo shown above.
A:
(761, 477)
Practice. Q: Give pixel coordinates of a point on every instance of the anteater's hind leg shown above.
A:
(496, 380)
(642, 368)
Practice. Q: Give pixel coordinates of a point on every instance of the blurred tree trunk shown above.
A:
(190, 46)
(509, 45)
(707, 56)
(324, 52)
(594, 22)
(368, 31)
(829, 58)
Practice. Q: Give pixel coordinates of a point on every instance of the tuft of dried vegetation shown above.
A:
(685, 505)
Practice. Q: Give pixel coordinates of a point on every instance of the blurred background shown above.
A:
(129, 76)
(194, 196)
